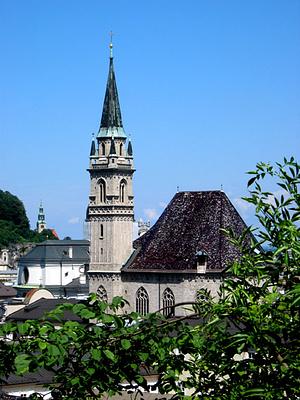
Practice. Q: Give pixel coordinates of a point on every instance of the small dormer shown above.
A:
(201, 257)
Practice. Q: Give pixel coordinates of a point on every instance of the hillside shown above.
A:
(14, 223)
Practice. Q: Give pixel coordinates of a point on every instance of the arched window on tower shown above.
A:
(121, 149)
(122, 190)
(102, 191)
(168, 303)
(103, 149)
(102, 293)
(101, 231)
(142, 301)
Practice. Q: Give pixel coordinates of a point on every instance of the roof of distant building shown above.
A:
(40, 377)
(54, 233)
(189, 226)
(7, 291)
(58, 251)
(39, 308)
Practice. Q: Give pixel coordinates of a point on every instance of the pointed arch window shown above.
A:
(101, 231)
(102, 293)
(121, 149)
(103, 149)
(102, 191)
(142, 301)
(168, 303)
(122, 193)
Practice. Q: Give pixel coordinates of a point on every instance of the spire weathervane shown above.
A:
(111, 44)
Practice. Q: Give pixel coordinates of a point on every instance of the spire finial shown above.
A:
(111, 45)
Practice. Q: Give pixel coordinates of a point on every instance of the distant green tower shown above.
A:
(41, 223)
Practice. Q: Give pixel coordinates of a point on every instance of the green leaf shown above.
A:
(125, 344)
(87, 314)
(23, 328)
(22, 362)
(109, 355)
(96, 354)
(251, 181)
(42, 345)
(53, 350)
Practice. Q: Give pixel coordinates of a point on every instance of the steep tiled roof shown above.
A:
(190, 224)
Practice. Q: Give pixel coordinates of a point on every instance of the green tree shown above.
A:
(12, 210)
(9, 233)
(246, 345)
(46, 234)
(14, 224)
(249, 344)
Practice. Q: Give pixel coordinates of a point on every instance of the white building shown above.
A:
(8, 274)
(57, 265)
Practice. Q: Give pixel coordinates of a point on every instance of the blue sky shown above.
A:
(207, 89)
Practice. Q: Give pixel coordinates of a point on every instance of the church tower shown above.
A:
(110, 209)
(41, 223)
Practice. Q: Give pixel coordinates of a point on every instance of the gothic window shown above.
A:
(122, 191)
(102, 293)
(142, 301)
(102, 191)
(121, 148)
(103, 149)
(168, 303)
(101, 231)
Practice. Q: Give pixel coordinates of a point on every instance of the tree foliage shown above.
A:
(12, 209)
(245, 346)
(14, 224)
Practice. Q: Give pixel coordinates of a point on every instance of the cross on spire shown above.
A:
(111, 44)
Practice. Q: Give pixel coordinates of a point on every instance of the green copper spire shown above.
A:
(111, 120)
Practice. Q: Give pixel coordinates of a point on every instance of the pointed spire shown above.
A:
(112, 147)
(111, 114)
(129, 148)
(93, 147)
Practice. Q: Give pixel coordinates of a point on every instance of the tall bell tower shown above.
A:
(110, 208)
(41, 223)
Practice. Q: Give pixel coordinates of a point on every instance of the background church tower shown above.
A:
(41, 223)
(110, 210)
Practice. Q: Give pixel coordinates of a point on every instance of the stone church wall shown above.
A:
(183, 286)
